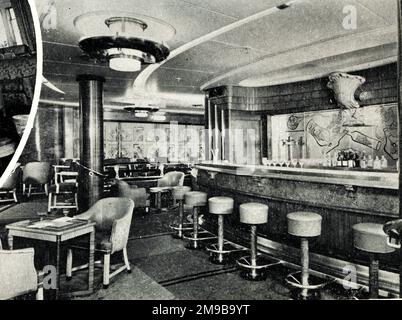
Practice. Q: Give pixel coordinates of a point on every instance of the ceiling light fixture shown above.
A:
(141, 114)
(125, 40)
(159, 116)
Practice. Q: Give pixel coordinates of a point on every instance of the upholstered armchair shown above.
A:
(18, 275)
(113, 220)
(138, 195)
(36, 173)
(172, 179)
(10, 185)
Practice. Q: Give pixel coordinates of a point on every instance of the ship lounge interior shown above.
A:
(210, 150)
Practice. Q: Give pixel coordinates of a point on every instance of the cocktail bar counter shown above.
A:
(343, 198)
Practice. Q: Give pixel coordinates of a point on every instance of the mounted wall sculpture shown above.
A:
(344, 87)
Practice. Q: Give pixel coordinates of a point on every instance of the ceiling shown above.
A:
(239, 42)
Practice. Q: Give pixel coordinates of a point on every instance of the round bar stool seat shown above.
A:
(253, 267)
(179, 192)
(253, 213)
(221, 205)
(304, 225)
(196, 200)
(220, 252)
(160, 198)
(371, 238)
(178, 196)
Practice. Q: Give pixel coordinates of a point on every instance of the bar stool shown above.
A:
(371, 238)
(196, 200)
(178, 197)
(160, 197)
(220, 206)
(304, 225)
(253, 266)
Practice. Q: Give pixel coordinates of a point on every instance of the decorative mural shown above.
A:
(157, 142)
(316, 135)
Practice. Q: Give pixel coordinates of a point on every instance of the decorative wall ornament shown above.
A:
(344, 87)
(20, 122)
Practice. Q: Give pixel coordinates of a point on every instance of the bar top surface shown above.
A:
(369, 179)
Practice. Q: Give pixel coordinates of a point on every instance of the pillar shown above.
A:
(91, 139)
(399, 128)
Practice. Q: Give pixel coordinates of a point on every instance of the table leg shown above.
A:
(159, 201)
(181, 217)
(10, 242)
(58, 247)
(91, 262)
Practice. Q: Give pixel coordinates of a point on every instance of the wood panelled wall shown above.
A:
(339, 208)
(56, 130)
(305, 96)
(18, 64)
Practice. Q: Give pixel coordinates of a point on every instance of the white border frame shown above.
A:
(35, 102)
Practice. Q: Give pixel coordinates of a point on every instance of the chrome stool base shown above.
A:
(179, 230)
(223, 256)
(198, 242)
(256, 271)
(310, 291)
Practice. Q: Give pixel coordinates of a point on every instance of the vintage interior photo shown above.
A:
(204, 150)
(18, 66)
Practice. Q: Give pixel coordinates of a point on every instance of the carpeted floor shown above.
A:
(163, 269)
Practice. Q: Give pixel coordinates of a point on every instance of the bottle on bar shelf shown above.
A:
(370, 163)
(329, 160)
(350, 158)
(377, 163)
(339, 160)
(335, 160)
(344, 159)
(363, 161)
(384, 162)
(357, 160)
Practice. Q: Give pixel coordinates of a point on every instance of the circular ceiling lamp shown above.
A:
(125, 40)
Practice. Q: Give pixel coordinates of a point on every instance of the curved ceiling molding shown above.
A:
(51, 86)
(251, 74)
(141, 81)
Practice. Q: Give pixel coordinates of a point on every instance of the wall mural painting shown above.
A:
(390, 131)
(111, 150)
(126, 133)
(126, 150)
(111, 131)
(138, 135)
(138, 151)
(326, 132)
(295, 122)
(153, 141)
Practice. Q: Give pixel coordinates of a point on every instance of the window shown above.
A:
(9, 31)
(14, 25)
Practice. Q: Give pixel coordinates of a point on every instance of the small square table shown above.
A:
(24, 229)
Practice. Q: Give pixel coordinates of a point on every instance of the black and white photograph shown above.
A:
(18, 71)
(201, 151)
